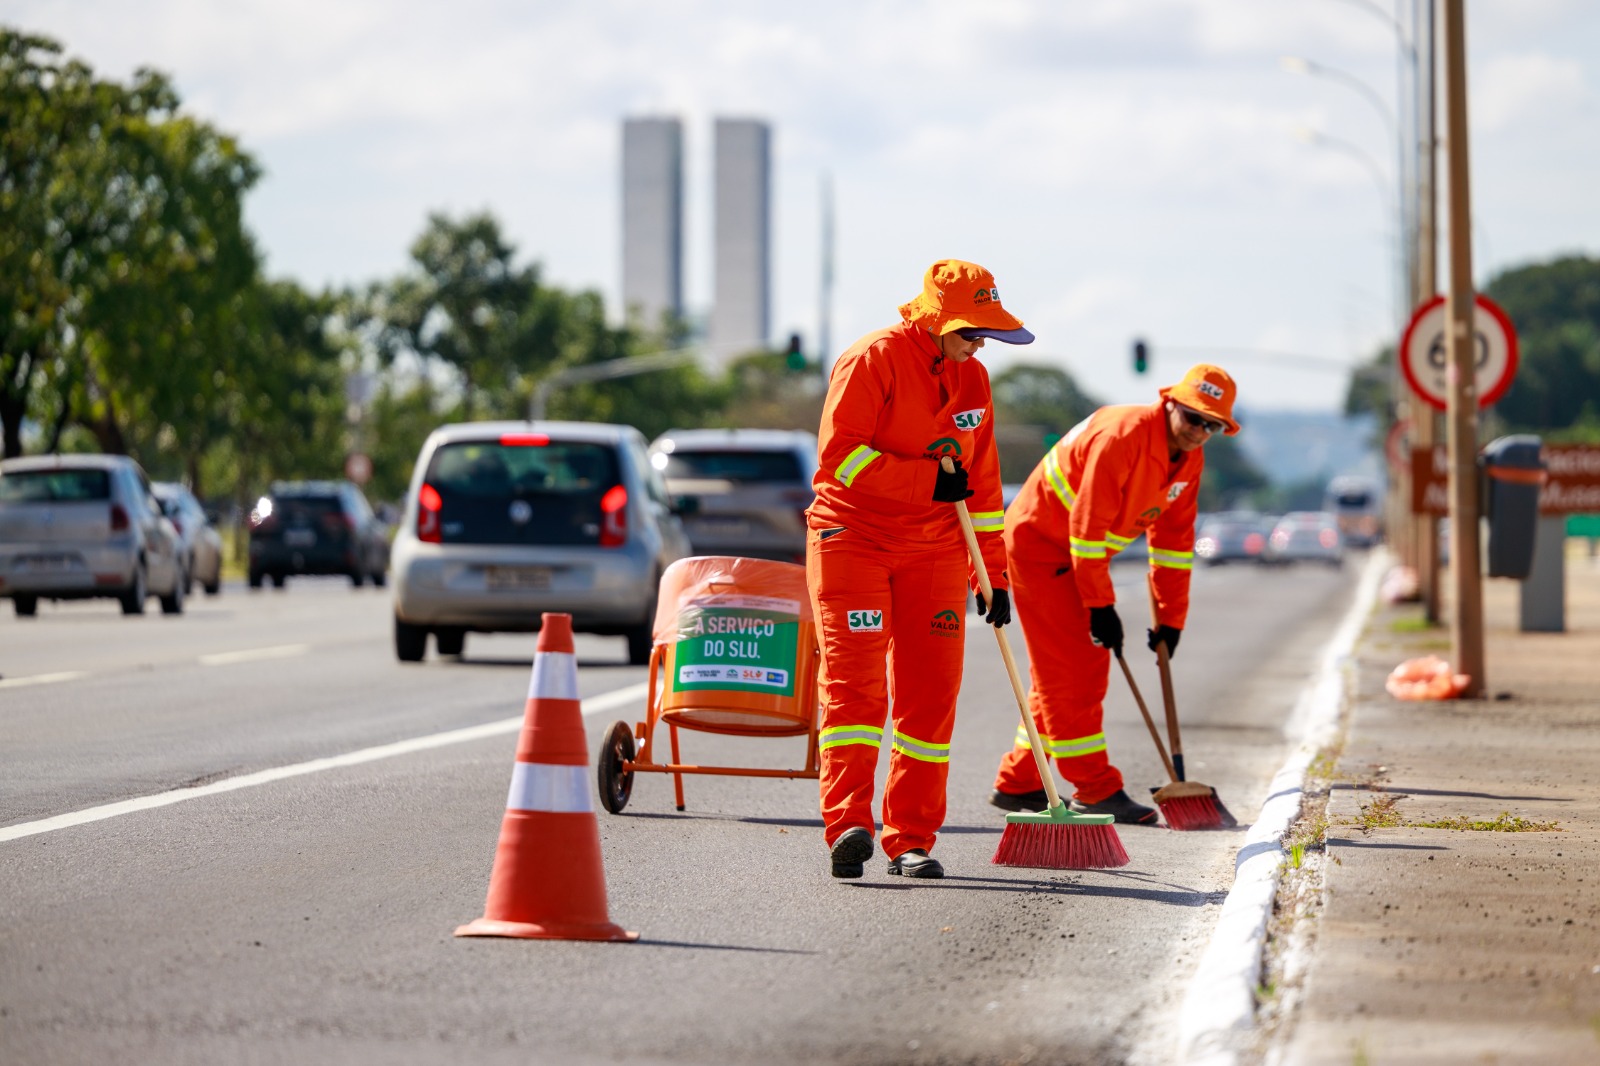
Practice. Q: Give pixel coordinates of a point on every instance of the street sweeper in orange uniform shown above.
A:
(886, 562)
(1123, 471)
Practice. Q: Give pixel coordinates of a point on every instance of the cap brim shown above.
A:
(1009, 336)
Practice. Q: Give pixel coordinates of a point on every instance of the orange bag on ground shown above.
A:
(1427, 678)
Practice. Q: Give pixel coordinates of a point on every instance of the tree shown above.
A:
(1034, 406)
(1555, 307)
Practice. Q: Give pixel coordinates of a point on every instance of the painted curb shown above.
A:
(1217, 1017)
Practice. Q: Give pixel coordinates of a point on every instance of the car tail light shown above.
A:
(429, 506)
(177, 525)
(1253, 543)
(614, 517)
(1329, 538)
(1205, 547)
(119, 518)
(524, 440)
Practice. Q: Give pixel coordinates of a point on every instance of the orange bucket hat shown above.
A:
(961, 295)
(1209, 390)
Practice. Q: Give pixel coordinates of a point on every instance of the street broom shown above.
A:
(1056, 838)
(1184, 804)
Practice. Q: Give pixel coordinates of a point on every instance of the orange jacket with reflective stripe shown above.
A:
(1107, 481)
(887, 421)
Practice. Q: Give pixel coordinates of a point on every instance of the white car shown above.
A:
(81, 526)
(202, 544)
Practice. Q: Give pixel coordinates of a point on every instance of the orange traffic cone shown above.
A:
(548, 881)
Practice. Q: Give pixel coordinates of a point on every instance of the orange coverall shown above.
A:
(888, 573)
(1107, 481)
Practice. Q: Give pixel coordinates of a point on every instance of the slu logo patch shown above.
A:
(942, 447)
(865, 621)
(1176, 490)
(1213, 391)
(969, 420)
(946, 624)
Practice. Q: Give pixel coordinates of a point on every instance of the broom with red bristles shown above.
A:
(1184, 804)
(1056, 838)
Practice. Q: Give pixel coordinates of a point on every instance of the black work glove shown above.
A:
(951, 486)
(1106, 628)
(1167, 635)
(1001, 613)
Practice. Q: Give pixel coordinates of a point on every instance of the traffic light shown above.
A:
(1141, 357)
(794, 358)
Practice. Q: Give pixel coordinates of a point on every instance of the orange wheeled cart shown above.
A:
(735, 652)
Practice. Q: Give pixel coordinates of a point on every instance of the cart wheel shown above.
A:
(616, 784)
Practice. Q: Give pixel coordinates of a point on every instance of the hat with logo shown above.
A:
(1209, 390)
(957, 295)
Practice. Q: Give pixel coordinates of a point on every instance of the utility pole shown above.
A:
(1425, 424)
(1461, 414)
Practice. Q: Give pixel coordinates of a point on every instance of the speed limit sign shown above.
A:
(1423, 354)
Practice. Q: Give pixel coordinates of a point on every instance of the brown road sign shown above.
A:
(1573, 486)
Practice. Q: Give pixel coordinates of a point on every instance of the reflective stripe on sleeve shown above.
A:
(555, 676)
(1172, 559)
(854, 463)
(925, 750)
(544, 787)
(1058, 480)
(837, 736)
(1087, 549)
(988, 521)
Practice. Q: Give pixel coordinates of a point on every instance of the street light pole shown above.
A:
(1461, 412)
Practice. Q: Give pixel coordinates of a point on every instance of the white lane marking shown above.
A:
(281, 651)
(1216, 1020)
(593, 705)
(41, 679)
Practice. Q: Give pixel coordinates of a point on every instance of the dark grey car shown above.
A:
(747, 489)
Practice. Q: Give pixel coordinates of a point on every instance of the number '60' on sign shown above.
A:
(1423, 352)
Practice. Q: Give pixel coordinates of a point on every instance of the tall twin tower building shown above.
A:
(652, 228)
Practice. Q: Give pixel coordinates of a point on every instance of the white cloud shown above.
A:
(1517, 89)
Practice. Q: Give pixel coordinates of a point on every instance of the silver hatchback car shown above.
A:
(506, 520)
(80, 526)
(749, 488)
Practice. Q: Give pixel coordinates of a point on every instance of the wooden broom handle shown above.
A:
(1150, 723)
(1167, 696)
(978, 568)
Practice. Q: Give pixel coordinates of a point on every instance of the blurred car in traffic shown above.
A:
(1357, 505)
(746, 490)
(316, 527)
(81, 526)
(1305, 536)
(201, 543)
(1230, 536)
(506, 520)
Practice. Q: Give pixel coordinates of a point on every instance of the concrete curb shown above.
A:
(1217, 1016)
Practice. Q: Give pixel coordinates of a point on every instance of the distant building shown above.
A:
(740, 312)
(652, 219)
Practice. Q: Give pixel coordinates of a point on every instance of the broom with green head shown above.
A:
(1056, 838)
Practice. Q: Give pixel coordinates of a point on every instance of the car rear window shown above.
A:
(734, 465)
(54, 486)
(295, 509)
(522, 491)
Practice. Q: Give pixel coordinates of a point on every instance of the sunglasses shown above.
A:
(1198, 420)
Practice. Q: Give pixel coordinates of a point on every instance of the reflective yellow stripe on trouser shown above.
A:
(838, 736)
(1171, 559)
(926, 750)
(1057, 748)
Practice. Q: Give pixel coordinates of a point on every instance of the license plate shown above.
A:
(723, 527)
(299, 538)
(44, 564)
(517, 578)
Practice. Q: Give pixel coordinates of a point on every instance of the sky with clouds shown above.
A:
(1127, 168)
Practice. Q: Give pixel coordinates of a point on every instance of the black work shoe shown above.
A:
(1037, 800)
(1120, 806)
(915, 863)
(851, 852)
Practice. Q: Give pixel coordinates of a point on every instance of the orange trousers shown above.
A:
(1069, 674)
(890, 624)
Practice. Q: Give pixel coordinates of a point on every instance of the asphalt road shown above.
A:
(311, 918)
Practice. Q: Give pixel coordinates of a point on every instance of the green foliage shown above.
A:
(1034, 405)
(1555, 307)
(1231, 479)
(1369, 388)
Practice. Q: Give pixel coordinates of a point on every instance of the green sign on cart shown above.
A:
(732, 647)
(1583, 525)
